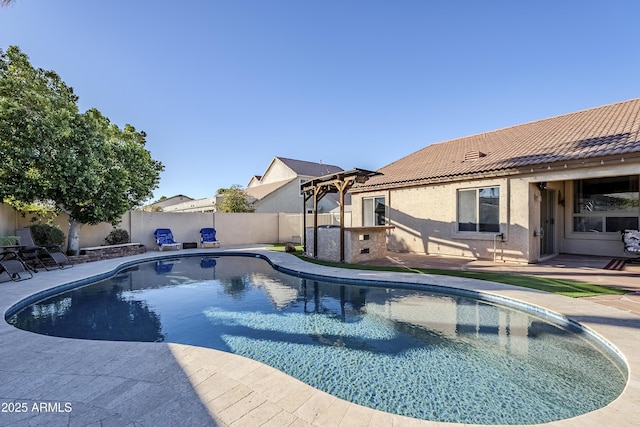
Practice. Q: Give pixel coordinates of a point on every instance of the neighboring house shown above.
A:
(278, 188)
(567, 184)
(166, 202)
(206, 204)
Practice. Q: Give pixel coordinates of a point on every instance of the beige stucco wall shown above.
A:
(232, 228)
(287, 199)
(425, 221)
(8, 220)
(277, 171)
(90, 235)
(246, 228)
(425, 217)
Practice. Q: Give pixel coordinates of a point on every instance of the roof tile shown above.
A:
(607, 130)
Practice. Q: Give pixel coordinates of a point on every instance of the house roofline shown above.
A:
(501, 173)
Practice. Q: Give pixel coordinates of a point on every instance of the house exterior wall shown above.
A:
(171, 201)
(277, 171)
(425, 217)
(425, 221)
(288, 199)
(207, 204)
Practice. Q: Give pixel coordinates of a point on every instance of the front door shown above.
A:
(547, 223)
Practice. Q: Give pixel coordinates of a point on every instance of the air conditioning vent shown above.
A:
(473, 155)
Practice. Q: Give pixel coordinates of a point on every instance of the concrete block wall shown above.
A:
(232, 228)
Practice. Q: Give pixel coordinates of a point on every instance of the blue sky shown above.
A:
(221, 87)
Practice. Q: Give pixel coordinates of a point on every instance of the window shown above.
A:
(300, 182)
(606, 205)
(479, 210)
(373, 212)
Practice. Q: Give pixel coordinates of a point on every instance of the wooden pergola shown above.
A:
(319, 187)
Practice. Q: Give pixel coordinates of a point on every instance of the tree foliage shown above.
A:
(83, 163)
(38, 113)
(234, 199)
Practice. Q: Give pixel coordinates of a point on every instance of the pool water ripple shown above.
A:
(405, 351)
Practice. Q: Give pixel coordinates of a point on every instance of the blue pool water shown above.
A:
(427, 355)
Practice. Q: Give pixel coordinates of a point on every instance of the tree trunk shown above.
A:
(73, 244)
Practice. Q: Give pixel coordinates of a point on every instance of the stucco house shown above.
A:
(168, 202)
(206, 204)
(278, 188)
(567, 184)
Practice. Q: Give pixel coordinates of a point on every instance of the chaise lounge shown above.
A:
(48, 257)
(208, 238)
(164, 238)
(11, 264)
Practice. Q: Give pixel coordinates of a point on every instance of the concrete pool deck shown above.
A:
(49, 381)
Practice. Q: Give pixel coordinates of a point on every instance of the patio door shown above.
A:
(547, 223)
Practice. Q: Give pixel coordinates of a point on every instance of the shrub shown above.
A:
(9, 240)
(117, 236)
(289, 247)
(47, 235)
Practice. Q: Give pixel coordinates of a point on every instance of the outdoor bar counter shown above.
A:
(360, 243)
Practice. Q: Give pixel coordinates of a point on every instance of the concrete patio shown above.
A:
(48, 381)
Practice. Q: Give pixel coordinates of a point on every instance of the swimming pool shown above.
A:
(433, 356)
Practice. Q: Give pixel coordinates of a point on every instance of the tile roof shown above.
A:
(305, 168)
(598, 132)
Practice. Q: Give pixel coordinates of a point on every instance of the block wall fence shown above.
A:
(232, 228)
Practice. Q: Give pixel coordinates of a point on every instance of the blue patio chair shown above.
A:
(208, 238)
(164, 237)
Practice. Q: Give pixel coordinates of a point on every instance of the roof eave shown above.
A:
(542, 167)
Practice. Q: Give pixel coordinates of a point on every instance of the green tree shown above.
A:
(38, 112)
(87, 166)
(234, 199)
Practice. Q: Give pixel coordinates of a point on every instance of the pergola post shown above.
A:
(307, 194)
(315, 221)
(319, 187)
(342, 189)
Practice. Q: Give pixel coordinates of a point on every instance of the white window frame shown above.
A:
(600, 216)
(374, 215)
(477, 213)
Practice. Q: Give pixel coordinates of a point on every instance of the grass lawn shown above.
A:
(570, 288)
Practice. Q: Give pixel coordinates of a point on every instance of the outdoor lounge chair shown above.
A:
(11, 264)
(631, 240)
(49, 257)
(164, 238)
(208, 238)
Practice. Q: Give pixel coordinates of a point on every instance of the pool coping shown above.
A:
(142, 383)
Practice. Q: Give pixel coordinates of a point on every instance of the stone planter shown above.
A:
(99, 253)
